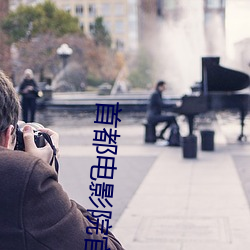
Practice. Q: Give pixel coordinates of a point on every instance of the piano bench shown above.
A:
(150, 132)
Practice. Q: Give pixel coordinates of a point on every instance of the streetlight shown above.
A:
(64, 51)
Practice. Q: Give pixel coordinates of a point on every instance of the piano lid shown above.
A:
(218, 78)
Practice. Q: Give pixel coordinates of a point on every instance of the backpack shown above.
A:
(174, 136)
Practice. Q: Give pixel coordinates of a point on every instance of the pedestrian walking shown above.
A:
(29, 92)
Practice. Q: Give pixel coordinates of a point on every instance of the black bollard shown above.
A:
(150, 134)
(189, 146)
(207, 140)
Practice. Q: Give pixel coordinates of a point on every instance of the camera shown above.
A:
(38, 137)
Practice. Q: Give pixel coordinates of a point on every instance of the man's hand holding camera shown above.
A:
(45, 153)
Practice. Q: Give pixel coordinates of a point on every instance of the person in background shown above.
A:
(35, 212)
(155, 107)
(29, 92)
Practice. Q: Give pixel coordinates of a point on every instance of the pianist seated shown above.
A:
(155, 107)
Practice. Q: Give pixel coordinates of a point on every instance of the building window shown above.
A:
(119, 44)
(107, 25)
(106, 9)
(92, 10)
(132, 10)
(214, 4)
(170, 4)
(91, 27)
(67, 8)
(82, 26)
(119, 9)
(79, 10)
(132, 26)
(119, 27)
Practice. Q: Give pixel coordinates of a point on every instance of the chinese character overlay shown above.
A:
(92, 244)
(105, 141)
(106, 114)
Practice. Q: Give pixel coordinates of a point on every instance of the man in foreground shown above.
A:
(35, 212)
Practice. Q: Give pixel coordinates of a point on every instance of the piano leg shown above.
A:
(190, 123)
(243, 114)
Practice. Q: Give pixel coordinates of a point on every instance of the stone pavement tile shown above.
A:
(161, 188)
(74, 151)
(216, 246)
(149, 245)
(154, 245)
(123, 150)
(135, 238)
(215, 211)
(239, 149)
(189, 232)
(128, 230)
(239, 224)
(212, 203)
(216, 174)
(148, 204)
(243, 170)
(139, 150)
(216, 189)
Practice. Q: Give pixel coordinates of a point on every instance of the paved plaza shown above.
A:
(161, 200)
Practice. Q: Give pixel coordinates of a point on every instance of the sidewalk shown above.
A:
(161, 200)
(187, 204)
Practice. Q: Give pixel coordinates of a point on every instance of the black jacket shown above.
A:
(32, 93)
(155, 104)
(35, 212)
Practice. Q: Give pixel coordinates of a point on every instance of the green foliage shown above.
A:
(42, 18)
(100, 33)
(141, 74)
(93, 80)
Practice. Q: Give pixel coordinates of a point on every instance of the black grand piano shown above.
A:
(220, 89)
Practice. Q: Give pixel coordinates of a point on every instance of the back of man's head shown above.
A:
(9, 104)
(160, 84)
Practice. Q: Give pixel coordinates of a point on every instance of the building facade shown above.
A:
(208, 13)
(147, 10)
(120, 18)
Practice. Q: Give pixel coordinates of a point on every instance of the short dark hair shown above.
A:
(159, 84)
(9, 104)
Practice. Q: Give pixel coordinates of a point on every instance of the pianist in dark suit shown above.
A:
(154, 110)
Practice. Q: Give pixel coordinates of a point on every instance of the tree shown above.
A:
(42, 18)
(100, 33)
(141, 73)
(96, 64)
